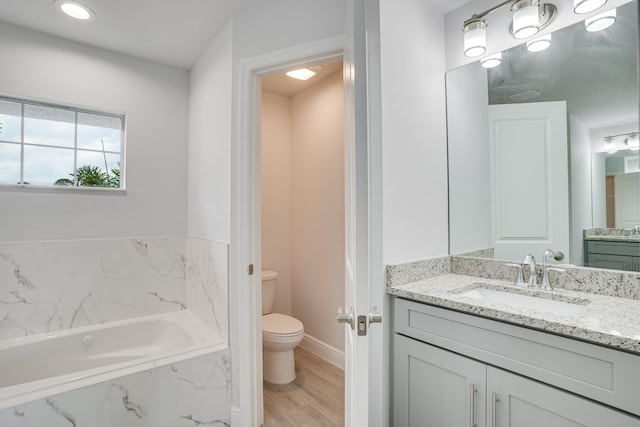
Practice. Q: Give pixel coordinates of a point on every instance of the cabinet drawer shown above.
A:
(613, 248)
(600, 373)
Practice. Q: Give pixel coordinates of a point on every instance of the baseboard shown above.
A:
(323, 350)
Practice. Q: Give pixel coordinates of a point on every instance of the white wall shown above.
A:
(155, 98)
(581, 198)
(599, 190)
(276, 213)
(318, 238)
(209, 140)
(469, 163)
(413, 131)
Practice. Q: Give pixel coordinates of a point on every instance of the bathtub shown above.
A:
(39, 366)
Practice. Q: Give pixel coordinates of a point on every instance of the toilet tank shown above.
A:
(269, 278)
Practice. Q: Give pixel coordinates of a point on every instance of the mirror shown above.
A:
(528, 169)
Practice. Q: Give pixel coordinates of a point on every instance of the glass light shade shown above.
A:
(526, 21)
(610, 146)
(491, 60)
(475, 38)
(601, 21)
(586, 6)
(633, 142)
(539, 44)
(75, 10)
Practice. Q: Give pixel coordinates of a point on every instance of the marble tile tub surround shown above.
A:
(612, 234)
(591, 280)
(191, 393)
(54, 285)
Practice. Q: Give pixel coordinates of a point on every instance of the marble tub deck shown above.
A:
(605, 320)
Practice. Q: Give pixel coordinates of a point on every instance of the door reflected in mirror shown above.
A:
(543, 149)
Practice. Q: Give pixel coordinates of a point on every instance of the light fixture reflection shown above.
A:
(633, 142)
(586, 6)
(539, 44)
(301, 74)
(475, 38)
(75, 10)
(601, 21)
(609, 145)
(491, 60)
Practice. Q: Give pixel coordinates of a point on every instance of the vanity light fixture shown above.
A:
(587, 6)
(75, 10)
(529, 17)
(491, 60)
(601, 21)
(301, 74)
(539, 44)
(633, 141)
(609, 145)
(475, 37)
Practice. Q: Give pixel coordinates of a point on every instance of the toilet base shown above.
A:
(278, 367)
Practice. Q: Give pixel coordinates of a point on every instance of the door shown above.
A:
(515, 401)
(357, 217)
(529, 179)
(434, 387)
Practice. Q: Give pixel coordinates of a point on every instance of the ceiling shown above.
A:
(166, 31)
(596, 73)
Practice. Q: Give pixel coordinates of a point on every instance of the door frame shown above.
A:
(245, 294)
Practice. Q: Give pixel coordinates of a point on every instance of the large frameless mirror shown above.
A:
(543, 150)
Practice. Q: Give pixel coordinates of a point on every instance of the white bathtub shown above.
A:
(38, 366)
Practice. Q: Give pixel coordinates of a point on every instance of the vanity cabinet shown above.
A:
(612, 255)
(449, 368)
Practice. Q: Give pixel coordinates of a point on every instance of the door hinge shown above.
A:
(250, 269)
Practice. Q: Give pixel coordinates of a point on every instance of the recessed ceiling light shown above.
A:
(75, 10)
(301, 74)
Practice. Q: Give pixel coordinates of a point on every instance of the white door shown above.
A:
(529, 179)
(357, 217)
(627, 199)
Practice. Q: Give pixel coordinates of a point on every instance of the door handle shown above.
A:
(472, 405)
(343, 317)
(374, 316)
(494, 409)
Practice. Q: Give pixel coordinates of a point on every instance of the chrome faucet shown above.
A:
(533, 274)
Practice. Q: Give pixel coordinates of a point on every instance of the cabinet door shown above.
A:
(433, 387)
(616, 262)
(522, 402)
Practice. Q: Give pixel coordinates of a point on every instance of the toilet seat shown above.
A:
(280, 325)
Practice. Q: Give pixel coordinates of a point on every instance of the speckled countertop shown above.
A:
(601, 319)
(611, 235)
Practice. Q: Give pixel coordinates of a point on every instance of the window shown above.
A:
(51, 145)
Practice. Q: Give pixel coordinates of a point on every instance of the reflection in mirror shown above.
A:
(528, 166)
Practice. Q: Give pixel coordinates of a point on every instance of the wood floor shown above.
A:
(315, 398)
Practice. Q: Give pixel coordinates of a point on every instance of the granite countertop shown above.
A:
(613, 238)
(605, 320)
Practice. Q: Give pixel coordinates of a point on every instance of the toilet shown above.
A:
(280, 335)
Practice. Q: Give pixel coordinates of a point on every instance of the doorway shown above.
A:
(303, 233)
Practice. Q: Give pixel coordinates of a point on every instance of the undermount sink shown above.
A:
(567, 307)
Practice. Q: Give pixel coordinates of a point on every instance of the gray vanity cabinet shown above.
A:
(452, 369)
(612, 255)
